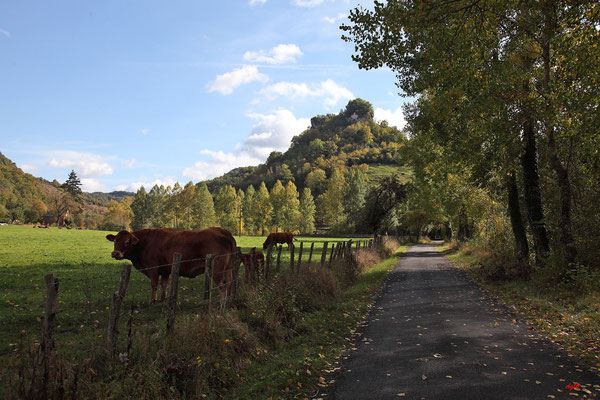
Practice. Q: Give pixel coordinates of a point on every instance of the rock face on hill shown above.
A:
(348, 138)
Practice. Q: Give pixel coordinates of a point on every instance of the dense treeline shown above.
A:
(504, 134)
(347, 204)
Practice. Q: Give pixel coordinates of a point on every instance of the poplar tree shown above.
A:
(277, 197)
(307, 210)
(225, 208)
(262, 209)
(203, 209)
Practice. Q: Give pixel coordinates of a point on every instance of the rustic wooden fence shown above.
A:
(335, 250)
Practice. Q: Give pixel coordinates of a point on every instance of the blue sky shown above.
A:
(142, 92)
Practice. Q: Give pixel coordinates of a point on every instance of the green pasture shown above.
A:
(88, 276)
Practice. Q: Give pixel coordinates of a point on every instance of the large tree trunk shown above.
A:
(562, 171)
(516, 221)
(533, 197)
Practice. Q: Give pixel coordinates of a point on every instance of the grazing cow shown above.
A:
(151, 251)
(278, 237)
(259, 263)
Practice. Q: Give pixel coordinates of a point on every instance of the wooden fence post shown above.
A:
(324, 253)
(292, 248)
(331, 254)
(47, 343)
(208, 282)
(236, 271)
(278, 259)
(115, 311)
(254, 275)
(268, 262)
(312, 246)
(349, 251)
(173, 285)
(299, 257)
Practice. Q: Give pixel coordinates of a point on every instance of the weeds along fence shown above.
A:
(79, 316)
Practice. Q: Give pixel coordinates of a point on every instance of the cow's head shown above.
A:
(124, 241)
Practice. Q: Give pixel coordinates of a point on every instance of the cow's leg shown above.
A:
(164, 279)
(154, 284)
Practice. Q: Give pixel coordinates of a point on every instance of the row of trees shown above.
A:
(340, 206)
(504, 134)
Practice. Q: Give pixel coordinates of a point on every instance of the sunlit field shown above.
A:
(88, 276)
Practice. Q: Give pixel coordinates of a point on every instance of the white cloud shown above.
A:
(307, 3)
(87, 165)
(280, 54)
(92, 185)
(273, 132)
(225, 83)
(5, 32)
(134, 186)
(333, 20)
(394, 118)
(29, 168)
(330, 91)
(144, 131)
(255, 2)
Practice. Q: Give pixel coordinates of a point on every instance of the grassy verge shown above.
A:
(297, 369)
(568, 316)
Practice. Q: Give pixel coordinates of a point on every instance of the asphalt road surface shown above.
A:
(432, 334)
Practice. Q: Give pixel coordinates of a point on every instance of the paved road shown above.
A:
(432, 334)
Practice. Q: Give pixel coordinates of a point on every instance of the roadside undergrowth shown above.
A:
(567, 314)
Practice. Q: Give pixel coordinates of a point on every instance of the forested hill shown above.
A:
(25, 198)
(18, 189)
(348, 138)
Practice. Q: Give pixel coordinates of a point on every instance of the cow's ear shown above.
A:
(134, 239)
(111, 237)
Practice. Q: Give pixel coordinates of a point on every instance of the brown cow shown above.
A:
(278, 237)
(259, 263)
(151, 251)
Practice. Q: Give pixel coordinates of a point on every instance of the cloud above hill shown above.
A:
(272, 132)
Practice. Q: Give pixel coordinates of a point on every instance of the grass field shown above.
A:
(88, 276)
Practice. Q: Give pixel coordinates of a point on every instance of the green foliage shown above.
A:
(331, 207)
(203, 208)
(307, 210)
(353, 196)
(225, 208)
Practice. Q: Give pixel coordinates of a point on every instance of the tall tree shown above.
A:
(262, 209)
(490, 54)
(225, 208)
(330, 202)
(247, 210)
(73, 186)
(140, 209)
(355, 190)
(307, 210)
(277, 198)
(203, 209)
(291, 212)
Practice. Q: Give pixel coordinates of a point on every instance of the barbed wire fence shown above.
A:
(103, 304)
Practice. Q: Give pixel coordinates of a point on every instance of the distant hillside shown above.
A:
(106, 197)
(25, 198)
(348, 138)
